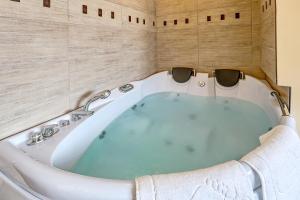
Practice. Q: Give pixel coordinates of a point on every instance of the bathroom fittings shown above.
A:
(45, 133)
(126, 88)
(35, 138)
(49, 130)
(78, 115)
(282, 104)
(102, 95)
(202, 84)
(64, 123)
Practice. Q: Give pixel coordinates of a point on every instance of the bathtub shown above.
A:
(36, 170)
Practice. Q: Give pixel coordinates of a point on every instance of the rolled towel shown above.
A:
(227, 181)
(277, 162)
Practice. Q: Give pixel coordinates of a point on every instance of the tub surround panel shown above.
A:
(53, 58)
(207, 42)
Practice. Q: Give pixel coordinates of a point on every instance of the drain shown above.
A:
(190, 149)
(192, 116)
(168, 142)
(102, 135)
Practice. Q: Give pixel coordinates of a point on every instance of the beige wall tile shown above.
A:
(209, 4)
(268, 39)
(141, 5)
(34, 72)
(225, 36)
(229, 43)
(52, 59)
(177, 48)
(167, 7)
(33, 9)
(181, 21)
(245, 11)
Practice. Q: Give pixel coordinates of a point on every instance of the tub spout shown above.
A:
(102, 95)
(78, 115)
(282, 104)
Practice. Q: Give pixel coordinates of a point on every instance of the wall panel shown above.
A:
(53, 59)
(268, 39)
(220, 34)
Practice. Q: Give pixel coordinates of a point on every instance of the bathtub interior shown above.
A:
(65, 148)
(65, 155)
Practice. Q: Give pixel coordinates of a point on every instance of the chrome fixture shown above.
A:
(46, 132)
(78, 115)
(35, 138)
(102, 95)
(202, 83)
(243, 76)
(49, 130)
(64, 123)
(282, 104)
(126, 88)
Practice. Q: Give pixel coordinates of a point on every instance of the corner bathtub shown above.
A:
(31, 168)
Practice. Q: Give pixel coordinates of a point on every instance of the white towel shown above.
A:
(228, 181)
(277, 162)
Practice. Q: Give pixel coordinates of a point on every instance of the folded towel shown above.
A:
(227, 181)
(277, 162)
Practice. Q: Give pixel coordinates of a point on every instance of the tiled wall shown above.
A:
(268, 46)
(268, 38)
(217, 34)
(52, 58)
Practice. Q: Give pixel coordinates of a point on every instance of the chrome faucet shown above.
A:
(35, 138)
(45, 133)
(49, 130)
(86, 108)
(282, 103)
(102, 95)
(78, 115)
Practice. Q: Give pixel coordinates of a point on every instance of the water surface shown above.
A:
(170, 132)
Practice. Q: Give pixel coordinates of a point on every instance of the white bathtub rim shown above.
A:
(19, 138)
(51, 146)
(39, 177)
(160, 84)
(45, 168)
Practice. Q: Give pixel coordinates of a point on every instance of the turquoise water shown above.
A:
(170, 132)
